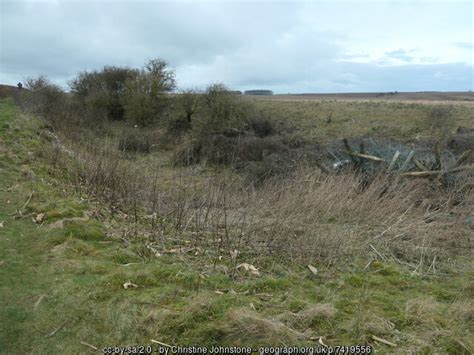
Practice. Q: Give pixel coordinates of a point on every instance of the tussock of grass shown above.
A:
(246, 326)
(311, 316)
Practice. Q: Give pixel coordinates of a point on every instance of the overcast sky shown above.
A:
(285, 46)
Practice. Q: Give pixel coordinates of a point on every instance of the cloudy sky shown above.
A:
(286, 46)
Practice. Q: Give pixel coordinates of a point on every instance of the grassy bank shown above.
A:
(70, 280)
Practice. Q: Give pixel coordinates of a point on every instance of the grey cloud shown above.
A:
(275, 45)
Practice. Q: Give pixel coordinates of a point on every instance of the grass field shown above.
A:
(324, 120)
(70, 282)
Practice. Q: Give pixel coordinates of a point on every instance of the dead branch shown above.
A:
(28, 200)
(89, 345)
(160, 343)
(377, 252)
(37, 303)
(464, 156)
(58, 328)
(419, 165)
(321, 166)
(383, 341)
(438, 172)
(365, 156)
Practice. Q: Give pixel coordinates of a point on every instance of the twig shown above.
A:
(368, 264)
(89, 345)
(400, 219)
(28, 200)
(320, 341)
(466, 186)
(128, 264)
(321, 166)
(39, 301)
(433, 265)
(58, 328)
(464, 156)
(437, 172)
(386, 342)
(419, 165)
(376, 251)
(365, 156)
(160, 343)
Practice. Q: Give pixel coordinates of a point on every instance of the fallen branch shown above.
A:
(160, 343)
(58, 328)
(437, 172)
(320, 341)
(464, 156)
(89, 345)
(321, 166)
(376, 251)
(37, 303)
(365, 156)
(419, 165)
(383, 341)
(28, 200)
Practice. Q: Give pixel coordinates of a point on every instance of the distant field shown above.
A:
(387, 96)
(325, 117)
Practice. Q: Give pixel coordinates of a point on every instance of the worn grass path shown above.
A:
(61, 288)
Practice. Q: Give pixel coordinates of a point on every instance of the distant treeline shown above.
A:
(258, 92)
(250, 92)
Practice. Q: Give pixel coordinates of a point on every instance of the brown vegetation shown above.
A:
(305, 210)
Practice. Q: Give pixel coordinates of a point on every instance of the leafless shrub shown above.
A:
(307, 215)
(303, 215)
(134, 141)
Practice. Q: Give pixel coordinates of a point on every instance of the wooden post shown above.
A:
(349, 150)
(394, 160)
(407, 161)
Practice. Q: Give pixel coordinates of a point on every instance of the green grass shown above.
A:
(63, 286)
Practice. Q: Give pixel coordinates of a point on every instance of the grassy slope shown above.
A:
(61, 286)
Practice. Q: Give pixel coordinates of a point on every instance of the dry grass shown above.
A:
(306, 216)
(247, 326)
(69, 281)
(323, 121)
